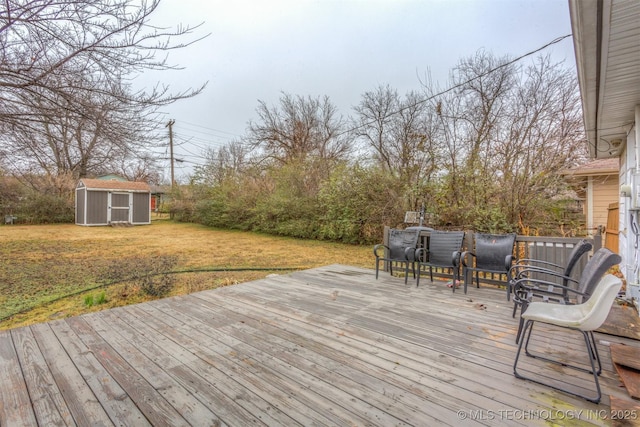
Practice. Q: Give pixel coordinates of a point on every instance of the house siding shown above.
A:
(605, 191)
(627, 242)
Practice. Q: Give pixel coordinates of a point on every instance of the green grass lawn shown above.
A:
(52, 271)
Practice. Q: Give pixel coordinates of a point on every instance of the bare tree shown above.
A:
(142, 169)
(298, 129)
(506, 132)
(66, 70)
(399, 132)
(374, 122)
(227, 162)
(544, 136)
(59, 140)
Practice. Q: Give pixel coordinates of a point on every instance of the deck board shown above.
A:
(47, 401)
(459, 361)
(326, 346)
(115, 401)
(15, 407)
(357, 386)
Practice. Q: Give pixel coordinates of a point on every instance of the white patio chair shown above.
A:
(585, 318)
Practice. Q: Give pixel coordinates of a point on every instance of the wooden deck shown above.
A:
(327, 346)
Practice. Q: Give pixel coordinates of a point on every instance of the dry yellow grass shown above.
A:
(41, 264)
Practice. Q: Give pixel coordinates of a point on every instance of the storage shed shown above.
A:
(106, 202)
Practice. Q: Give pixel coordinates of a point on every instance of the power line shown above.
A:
(211, 129)
(193, 139)
(422, 101)
(187, 138)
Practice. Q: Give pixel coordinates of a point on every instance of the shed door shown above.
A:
(119, 207)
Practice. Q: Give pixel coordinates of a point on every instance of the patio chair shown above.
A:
(585, 317)
(400, 249)
(574, 292)
(545, 270)
(493, 254)
(443, 252)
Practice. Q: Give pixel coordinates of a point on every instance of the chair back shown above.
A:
(442, 245)
(492, 249)
(399, 240)
(601, 261)
(579, 249)
(597, 308)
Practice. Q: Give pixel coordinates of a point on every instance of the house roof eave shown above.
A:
(584, 22)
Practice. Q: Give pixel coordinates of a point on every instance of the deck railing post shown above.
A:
(597, 242)
(385, 241)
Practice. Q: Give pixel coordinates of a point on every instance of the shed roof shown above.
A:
(101, 184)
(609, 166)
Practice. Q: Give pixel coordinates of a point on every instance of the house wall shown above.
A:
(628, 239)
(604, 191)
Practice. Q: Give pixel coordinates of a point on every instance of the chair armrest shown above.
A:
(532, 262)
(551, 273)
(523, 272)
(420, 252)
(464, 255)
(455, 258)
(377, 247)
(527, 285)
(525, 263)
(508, 262)
(410, 254)
(530, 282)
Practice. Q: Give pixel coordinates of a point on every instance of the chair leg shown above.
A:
(465, 273)
(456, 278)
(519, 333)
(594, 352)
(523, 306)
(406, 272)
(418, 278)
(593, 358)
(377, 267)
(515, 363)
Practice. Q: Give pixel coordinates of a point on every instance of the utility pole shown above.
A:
(170, 126)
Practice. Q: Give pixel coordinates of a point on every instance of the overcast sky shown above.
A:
(259, 49)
